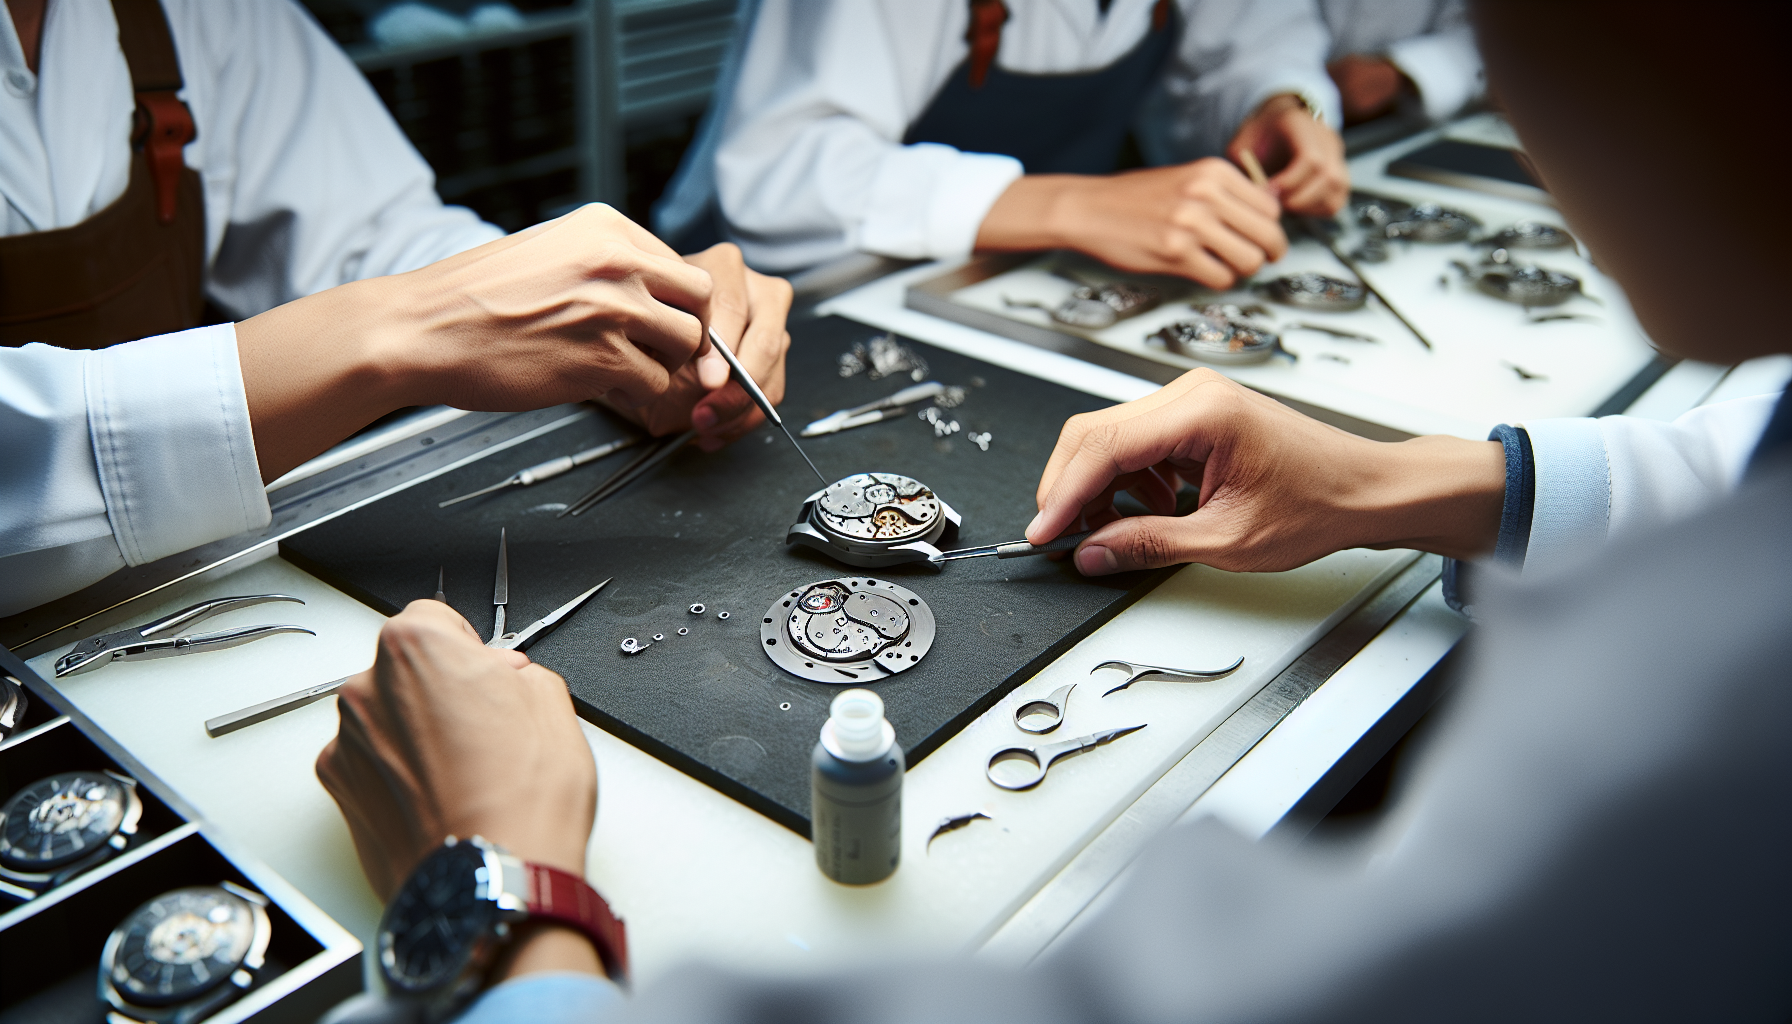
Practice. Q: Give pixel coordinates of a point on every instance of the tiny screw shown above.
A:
(684, 630)
(697, 609)
(721, 615)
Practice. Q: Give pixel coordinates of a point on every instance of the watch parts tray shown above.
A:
(710, 529)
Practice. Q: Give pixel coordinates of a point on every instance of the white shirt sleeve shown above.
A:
(309, 183)
(120, 456)
(812, 165)
(1234, 55)
(1445, 67)
(1602, 479)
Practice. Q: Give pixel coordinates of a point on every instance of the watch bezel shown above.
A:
(118, 841)
(498, 879)
(215, 996)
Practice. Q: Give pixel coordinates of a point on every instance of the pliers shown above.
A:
(139, 643)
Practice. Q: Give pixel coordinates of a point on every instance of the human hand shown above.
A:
(587, 305)
(1277, 489)
(1202, 220)
(445, 736)
(1368, 85)
(1304, 156)
(748, 310)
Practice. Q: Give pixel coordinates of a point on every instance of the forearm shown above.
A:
(1437, 494)
(1029, 215)
(314, 371)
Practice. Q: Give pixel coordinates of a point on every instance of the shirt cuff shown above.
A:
(173, 443)
(1573, 500)
(549, 997)
(928, 201)
(1445, 68)
(1516, 512)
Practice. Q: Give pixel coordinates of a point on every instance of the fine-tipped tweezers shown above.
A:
(546, 470)
(142, 643)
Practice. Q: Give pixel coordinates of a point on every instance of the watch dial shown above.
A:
(60, 819)
(180, 945)
(434, 923)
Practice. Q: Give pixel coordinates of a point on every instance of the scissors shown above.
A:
(139, 643)
(1045, 714)
(1134, 673)
(518, 641)
(1025, 767)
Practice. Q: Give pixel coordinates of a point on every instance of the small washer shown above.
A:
(684, 630)
(784, 706)
(850, 631)
(657, 637)
(633, 646)
(697, 609)
(721, 615)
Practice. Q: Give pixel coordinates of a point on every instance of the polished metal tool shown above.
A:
(138, 643)
(1025, 767)
(872, 412)
(547, 470)
(1013, 549)
(1326, 237)
(519, 641)
(1134, 673)
(1045, 714)
(629, 473)
(441, 577)
(747, 384)
(501, 586)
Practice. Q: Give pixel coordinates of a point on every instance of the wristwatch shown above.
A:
(459, 908)
(186, 954)
(14, 702)
(58, 827)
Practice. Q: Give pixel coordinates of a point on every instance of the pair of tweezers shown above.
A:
(629, 473)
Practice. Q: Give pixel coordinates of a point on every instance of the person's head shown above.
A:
(1661, 129)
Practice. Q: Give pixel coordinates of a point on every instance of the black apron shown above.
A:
(1052, 124)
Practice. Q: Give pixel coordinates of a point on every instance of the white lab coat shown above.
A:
(1430, 41)
(811, 164)
(126, 455)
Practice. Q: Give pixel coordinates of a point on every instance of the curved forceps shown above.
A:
(1134, 673)
(1042, 758)
(139, 643)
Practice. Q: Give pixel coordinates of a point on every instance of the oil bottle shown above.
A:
(856, 792)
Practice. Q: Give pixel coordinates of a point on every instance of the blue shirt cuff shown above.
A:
(550, 997)
(1515, 514)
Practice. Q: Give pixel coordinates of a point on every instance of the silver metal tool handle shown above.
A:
(207, 609)
(593, 454)
(1020, 547)
(907, 396)
(223, 639)
(215, 727)
(746, 379)
(545, 470)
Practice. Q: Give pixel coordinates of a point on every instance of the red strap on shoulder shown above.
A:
(1160, 15)
(565, 898)
(985, 37)
(164, 127)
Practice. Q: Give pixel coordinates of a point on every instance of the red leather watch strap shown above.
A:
(565, 898)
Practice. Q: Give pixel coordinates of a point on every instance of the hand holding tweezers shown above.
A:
(1134, 673)
(141, 643)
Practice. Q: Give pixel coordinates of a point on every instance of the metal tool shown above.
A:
(629, 473)
(441, 577)
(1045, 714)
(1134, 673)
(501, 586)
(953, 823)
(547, 470)
(138, 643)
(745, 380)
(872, 412)
(1013, 549)
(1028, 765)
(519, 641)
(1316, 228)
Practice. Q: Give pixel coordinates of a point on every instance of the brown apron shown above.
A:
(135, 269)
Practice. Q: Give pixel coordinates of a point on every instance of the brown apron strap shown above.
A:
(985, 37)
(163, 125)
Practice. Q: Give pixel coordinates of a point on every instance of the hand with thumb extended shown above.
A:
(1276, 488)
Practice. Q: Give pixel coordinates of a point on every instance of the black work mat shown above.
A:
(710, 528)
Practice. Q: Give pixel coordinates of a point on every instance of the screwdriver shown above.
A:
(759, 399)
(1013, 549)
(548, 470)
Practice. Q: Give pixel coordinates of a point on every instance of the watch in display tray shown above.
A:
(57, 827)
(186, 954)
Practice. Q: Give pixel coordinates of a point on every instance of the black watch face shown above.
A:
(61, 819)
(180, 945)
(435, 922)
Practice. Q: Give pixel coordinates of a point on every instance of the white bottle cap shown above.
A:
(856, 730)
